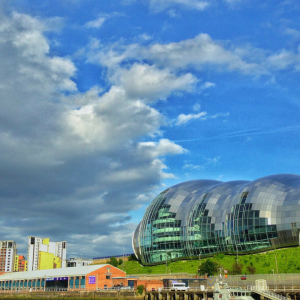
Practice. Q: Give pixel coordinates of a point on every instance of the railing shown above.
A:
(56, 289)
(163, 276)
(275, 282)
(172, 289)
(270, 294)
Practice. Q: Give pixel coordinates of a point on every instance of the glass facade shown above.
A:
(207, 216)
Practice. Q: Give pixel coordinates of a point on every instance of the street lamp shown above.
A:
(237, 253)
(276, 260)
(167, 261)
(273, 279)
(199, 264)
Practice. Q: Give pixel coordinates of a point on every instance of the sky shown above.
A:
(104, 104)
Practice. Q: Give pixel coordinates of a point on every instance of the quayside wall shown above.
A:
(73, 295)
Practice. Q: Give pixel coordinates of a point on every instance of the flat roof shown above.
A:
(61, 272)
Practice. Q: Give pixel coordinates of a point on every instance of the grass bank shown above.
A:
(288, 261)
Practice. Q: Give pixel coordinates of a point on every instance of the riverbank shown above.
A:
(73, 295)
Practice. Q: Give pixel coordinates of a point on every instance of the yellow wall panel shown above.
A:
(46, 241)
(46, 260)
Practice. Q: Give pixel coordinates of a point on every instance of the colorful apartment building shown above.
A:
(44, 255)
(20, 263)
(8, 250)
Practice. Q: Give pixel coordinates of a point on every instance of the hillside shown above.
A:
(288, 261)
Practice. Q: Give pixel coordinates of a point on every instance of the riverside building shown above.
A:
(203, 217)
(78, 262)
(8, 250)
(20, 263)
(43, 254)
(93, 277)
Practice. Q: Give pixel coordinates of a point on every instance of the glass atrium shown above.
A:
(207, 216)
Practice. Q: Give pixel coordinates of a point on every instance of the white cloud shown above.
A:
(293, 32)
(182, 118)
(148, 83)
(96, 23)
(197, 106)
(208, 163)
(161, 148)
(284, 60)
(219, 115)
(200, 52)
(157, 5)
(208, 85)
(69, 159)
(112, 119)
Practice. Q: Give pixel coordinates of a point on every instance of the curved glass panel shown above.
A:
(208, 216)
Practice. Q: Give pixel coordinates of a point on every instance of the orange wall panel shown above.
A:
(101, 279)
(151, 284)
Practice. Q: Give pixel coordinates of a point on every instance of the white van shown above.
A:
(179, 286)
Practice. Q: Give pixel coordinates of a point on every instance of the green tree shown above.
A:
(113, 261)
(208, 267)
(140, 289)
(132, 257)
(120, 261)
(236, 268)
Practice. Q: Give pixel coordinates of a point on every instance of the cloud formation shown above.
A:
(73, 165)
(182, 118)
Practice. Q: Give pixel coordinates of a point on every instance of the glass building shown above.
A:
(208, 216)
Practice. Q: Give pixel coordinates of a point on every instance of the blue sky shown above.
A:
(103, 104)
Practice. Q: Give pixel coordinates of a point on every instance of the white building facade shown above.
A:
(79, 262)
(8, 250)
(41, 249)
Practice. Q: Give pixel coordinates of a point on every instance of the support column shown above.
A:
(196, 296)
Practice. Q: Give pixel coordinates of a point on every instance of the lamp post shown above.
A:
(167, 261)
(237, 253)
(276, 261)
(199, 264)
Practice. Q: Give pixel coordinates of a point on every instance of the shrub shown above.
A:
(236, 268)
(113, 261)
(251, 269)
(132, 258)
(140, 289)
(208, 267)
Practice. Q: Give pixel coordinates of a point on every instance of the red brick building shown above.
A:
(91, 277)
